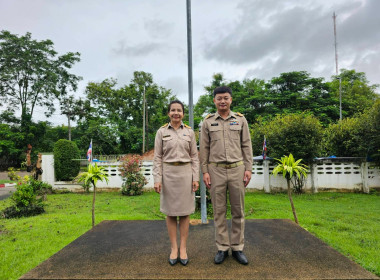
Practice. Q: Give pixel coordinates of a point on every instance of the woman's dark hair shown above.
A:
(222, 89)
(176, 101)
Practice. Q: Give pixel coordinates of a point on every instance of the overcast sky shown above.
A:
(242, 39)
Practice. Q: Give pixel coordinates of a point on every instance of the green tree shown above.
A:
(288, 166)
(14, 140)
(32, 74)
(357, 94)
(297, 92)
(205, 104)
(357, 136)
(292, 92)
(94, 174)
(121, 109)
(372, 139)
(10, 140)
(71, 108)
(298, 134)
(344, 139)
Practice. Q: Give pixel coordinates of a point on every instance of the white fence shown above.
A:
(350, 174)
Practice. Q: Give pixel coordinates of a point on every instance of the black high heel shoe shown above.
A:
(173, 261)
(184, 262)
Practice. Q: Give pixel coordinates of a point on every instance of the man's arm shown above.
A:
(204, 147)
(246, 146)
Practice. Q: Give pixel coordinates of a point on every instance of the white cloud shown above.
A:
(242, 39)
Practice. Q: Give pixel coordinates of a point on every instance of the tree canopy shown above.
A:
(287, 107)
(292, 92)
(32, 73)
(115, 117)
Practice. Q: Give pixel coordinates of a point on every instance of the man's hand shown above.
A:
(195, 186)
(247, 177)
(207, 180)
(157, 187)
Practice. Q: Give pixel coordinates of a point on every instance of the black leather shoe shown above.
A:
(220, 257)
(184, 261)
(240, 257)
(173, 261)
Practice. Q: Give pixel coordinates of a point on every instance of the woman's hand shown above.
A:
(157, 187)
(195, 186)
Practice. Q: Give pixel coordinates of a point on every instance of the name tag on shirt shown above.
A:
(214, 124)
(165, 136)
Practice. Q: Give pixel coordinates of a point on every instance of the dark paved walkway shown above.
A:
(276, 249)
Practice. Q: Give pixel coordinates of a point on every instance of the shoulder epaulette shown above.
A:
(165, 125)
(187, 126)
(239, 114)
(209, 116)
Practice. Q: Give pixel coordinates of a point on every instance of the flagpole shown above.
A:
(92, 151)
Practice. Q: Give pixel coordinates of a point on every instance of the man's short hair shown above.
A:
(222, 89)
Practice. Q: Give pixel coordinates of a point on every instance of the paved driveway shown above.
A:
(6, 192)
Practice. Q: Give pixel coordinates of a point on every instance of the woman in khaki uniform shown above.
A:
(176, 177)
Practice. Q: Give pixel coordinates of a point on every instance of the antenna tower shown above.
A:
(336, 69)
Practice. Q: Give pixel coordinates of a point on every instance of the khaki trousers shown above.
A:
(223, 179)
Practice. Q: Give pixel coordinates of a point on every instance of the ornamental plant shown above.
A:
(12, 174)
(288, 166)
(28, 199)
(133, 180)
(65, 166)
(93, 174)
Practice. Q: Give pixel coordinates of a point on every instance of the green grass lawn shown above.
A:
(349, 222)
(3, 181)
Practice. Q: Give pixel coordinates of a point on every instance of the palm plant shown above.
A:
(93, 174)
(288, 167)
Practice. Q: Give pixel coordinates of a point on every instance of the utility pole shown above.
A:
(336, 69)
(190, 63)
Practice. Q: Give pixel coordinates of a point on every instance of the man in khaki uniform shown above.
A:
(226, 162)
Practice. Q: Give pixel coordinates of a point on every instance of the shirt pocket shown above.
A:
(235, 131)
(216, 133)
(167, 143)
(186, 138)
(185, 141)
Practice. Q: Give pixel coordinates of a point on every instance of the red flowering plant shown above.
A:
(133, 179)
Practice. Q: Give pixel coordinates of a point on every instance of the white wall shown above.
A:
(324, 175)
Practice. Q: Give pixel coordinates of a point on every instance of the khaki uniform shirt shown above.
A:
(225, 140)
(175, 146)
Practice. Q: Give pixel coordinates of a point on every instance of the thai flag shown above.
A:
(265, 148)
(89, 152)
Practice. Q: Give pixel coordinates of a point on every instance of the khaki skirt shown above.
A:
(177, 196)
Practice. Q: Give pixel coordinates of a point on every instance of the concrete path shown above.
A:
(276, 249)
(6, 190)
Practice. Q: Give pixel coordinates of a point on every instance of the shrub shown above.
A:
(130, 170)
(40, 188)
(65, 167)
(24, 195)
(12, 174)
(31, 210)
(358, 136)
(298, 134)
(344, 138)
(25, 202)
